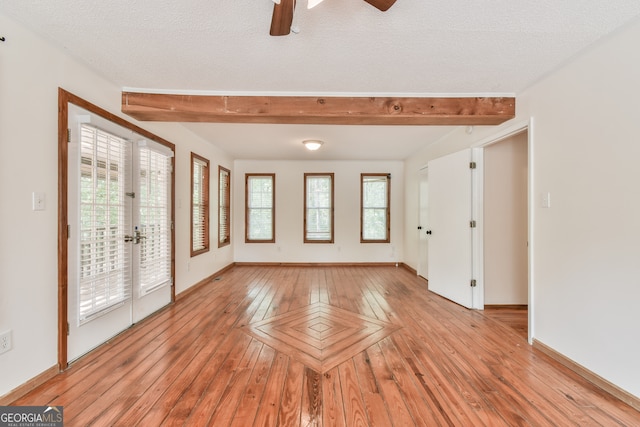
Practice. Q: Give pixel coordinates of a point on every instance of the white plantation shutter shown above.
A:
(105, 270)
(199, 205)
(154, 270)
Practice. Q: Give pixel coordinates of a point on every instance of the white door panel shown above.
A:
(450, 213)
(99, 261)
(107, 203)
(152, 216)
(423, 224)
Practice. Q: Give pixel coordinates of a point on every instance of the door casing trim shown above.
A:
(64, 99)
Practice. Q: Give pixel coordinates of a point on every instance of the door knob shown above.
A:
(138, 236)
(428, 231)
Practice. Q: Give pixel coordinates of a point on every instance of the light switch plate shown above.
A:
(546, 200)
(38, 201)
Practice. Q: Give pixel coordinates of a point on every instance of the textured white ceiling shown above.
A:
(344, 47)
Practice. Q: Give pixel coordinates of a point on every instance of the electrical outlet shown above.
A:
(5, 342)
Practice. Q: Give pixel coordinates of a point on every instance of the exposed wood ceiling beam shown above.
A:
(383, 5)
(282, 17)
(318, 110)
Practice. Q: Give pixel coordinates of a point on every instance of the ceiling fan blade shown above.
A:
(282, 17)
(383, 5)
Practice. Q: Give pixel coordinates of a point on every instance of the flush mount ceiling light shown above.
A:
(312, 144)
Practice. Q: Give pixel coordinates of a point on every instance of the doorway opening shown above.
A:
(115, 225)
(501, 245)
(506, 231)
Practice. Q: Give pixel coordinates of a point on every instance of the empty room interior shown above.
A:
(323, 212)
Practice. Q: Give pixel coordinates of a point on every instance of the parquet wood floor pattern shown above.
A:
(261, 347)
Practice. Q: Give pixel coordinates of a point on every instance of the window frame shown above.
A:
(332, 207)
(247, 177)
(224, 210)
(205, 202)
(387, 208)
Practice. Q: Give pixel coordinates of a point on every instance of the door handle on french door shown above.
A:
(136, 238)
(429, 232)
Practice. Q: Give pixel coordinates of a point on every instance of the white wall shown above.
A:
(587, 272)
(585, 149)
(506, 222)
(31, 70)
(192, 270)
(289, 246)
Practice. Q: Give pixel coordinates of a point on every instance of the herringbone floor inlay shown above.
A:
(319, 335)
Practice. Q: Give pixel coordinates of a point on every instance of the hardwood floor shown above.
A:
(512, 316)
(323, 346)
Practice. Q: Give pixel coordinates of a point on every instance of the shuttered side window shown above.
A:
(224, 205)
(375, 213)
(318, 207)
(199, 204)
(155, 217)
(105, 269)
(260, 210)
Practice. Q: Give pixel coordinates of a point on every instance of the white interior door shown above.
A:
(423, 223)
(119, 253)
(450, 241)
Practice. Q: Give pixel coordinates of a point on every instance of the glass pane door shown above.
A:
(119, 262)
(100, 268)
(152, 229)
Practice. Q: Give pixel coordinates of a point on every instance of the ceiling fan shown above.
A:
(283, 13)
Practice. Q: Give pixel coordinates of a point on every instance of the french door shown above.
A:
(119, 246)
